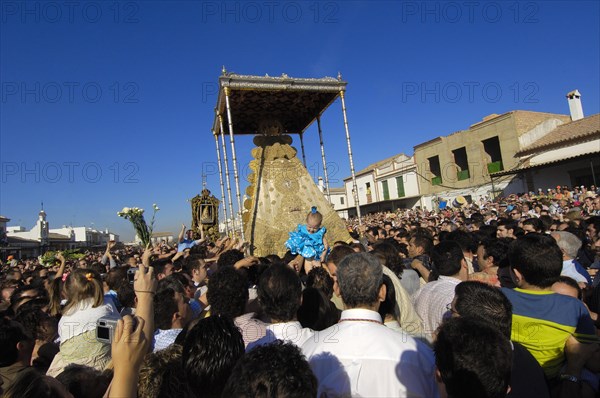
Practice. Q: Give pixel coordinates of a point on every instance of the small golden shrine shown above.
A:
(205, 215)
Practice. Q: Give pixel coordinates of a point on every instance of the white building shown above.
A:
(86, 236)
(339, 201)
(37, 240)
(568, 155)
(63, 238)
(39, 232)
(386, 185)
(157, 237)
(3, 221)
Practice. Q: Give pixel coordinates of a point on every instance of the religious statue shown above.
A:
(205, 215)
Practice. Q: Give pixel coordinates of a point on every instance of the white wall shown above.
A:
(411, 185)
(362, 191)
(336, 200)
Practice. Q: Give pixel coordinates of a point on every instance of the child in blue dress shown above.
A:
(308, 240)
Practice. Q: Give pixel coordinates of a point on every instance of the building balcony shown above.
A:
(495, 167)
(436, 180)
(462, 175)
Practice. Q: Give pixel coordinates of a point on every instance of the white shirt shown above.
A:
(83, 318)
(431, 302)
(164, 338)
(568, 269)
(290, 332)
(359, 356)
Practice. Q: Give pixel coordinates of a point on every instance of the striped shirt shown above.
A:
(542, 321)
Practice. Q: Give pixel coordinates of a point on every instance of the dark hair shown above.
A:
(273, 370)
(227, 292)
(485, 303)
(84, 381)
(338, 253)
(356, 246)
(497, 248)
(17, 297)
(193, 262)
(595, 221)
(171, 282)
(210, 351)
(38, 323)
(11, 333)
(160, 265)
(423, 241)
(320, 279)
(473, 359)
(116, 277)
(571, 283)
(165, 306)
(229, 258)
(447, 257)
(537, 257)
(387, 306)
(507, 223)
(126, 295)
(316, 311)
(279, 292)
(199, 250)
(465, 240)
(162, 375)
(390, 255)
(547, 221)
(485, 232)
(30, 383)
(536, 223)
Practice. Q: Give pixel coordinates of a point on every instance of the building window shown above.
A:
(400, 186)
(462, 163)
(435, 169)
(342, 200)
(492, 149)
(386, 191)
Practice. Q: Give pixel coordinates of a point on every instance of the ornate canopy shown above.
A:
(295, 102)
(274, 107)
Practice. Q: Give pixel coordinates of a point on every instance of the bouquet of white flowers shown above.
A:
(136, 216)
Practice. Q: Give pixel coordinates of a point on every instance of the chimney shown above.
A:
(575, 108)
(321, 185)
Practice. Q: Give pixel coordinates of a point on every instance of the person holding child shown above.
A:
(308, 241)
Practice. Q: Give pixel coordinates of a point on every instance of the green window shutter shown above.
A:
(400, 185)
(386, 191)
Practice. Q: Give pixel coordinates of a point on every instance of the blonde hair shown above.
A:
(83, 284)
(54, 291)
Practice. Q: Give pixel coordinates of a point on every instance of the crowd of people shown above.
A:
(490, 299)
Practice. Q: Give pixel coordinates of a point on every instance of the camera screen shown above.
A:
(103, 333)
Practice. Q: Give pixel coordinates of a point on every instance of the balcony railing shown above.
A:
(495, 167)
(462, 175)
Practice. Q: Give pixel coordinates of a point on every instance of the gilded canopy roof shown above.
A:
(295, 102)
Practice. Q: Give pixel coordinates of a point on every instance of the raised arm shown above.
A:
(61, 268)
(181, 234)
(418, 266)
(108, 256)
(324, 254)
(129, 348)
(145, 285)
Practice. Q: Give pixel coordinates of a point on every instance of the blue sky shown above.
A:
(110, 104)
